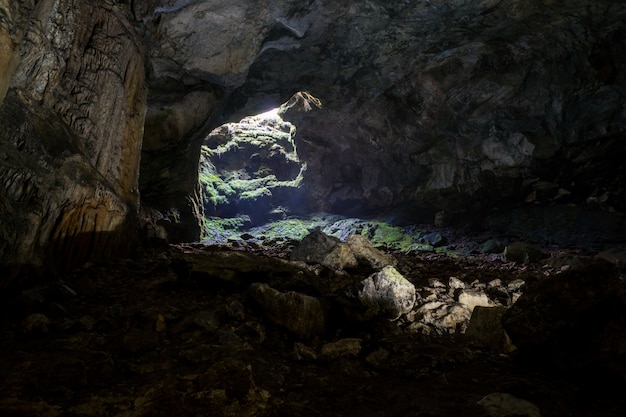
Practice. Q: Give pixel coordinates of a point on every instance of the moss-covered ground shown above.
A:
(381, 233)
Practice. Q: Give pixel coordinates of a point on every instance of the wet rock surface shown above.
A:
(148, 337)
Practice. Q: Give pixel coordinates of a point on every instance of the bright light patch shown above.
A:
(252, 168)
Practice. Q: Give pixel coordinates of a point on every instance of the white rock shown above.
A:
(515, 284)
(387, 292)
(433, 305)
(471, 299)
(454, 282)
(494, 283)
(456, 318)
(446, 318)
(435, 283)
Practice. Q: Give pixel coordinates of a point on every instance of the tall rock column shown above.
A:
(71, 129)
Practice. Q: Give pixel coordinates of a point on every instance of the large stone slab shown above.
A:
(304, 315)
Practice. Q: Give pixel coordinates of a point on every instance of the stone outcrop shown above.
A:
(72, 124)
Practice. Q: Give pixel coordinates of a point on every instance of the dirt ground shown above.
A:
(131, 338)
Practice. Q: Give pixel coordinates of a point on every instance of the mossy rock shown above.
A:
(254, 195)
(383, 234)
(221, 230)
(285, 229)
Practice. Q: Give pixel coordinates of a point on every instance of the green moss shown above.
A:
(225, 188)
(385, 235)
(213, 188)
(255, 194)
(219, 230)
(292, 228)
(250, 185)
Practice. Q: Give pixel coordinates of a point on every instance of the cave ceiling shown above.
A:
(436, 105)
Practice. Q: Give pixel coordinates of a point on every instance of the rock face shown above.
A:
(72, 124)
(64, 211)
(430, 103)
(250, 167)
(428, 107)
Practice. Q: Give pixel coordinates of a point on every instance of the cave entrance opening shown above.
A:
(250, 172)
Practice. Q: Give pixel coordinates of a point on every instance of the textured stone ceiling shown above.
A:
(428, 106)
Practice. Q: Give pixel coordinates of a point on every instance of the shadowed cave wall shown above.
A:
(510, 113)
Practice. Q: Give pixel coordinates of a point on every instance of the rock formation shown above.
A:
(72, 124)
(429, 107)
(447, 107)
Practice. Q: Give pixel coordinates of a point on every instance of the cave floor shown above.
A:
(131, 339)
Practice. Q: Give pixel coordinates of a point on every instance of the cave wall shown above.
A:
(72, 127)
(449, 107)
(456, 104)
(428, 106)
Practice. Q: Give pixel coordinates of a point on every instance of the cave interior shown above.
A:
(312, 208)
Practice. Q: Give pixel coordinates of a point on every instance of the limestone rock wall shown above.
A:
(429, 106)
(449, 105)
(71, 132)
(84, 60)
(199, 52)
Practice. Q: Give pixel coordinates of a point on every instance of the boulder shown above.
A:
(499, 404)
(485, 328)
(319, 248)
(386, 293)
(473, 298)
(616, 256)
(366, 254)
(443, 317)
(303, 315)
(523, 252)
(349, 347)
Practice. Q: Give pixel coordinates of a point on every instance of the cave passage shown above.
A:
(253, 185)
(250, 172)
